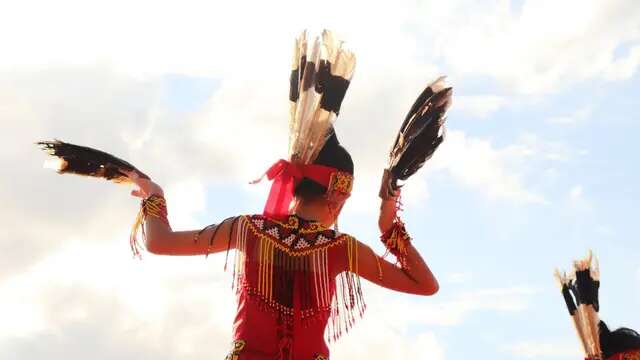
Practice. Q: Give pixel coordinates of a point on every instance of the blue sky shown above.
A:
(537, 168)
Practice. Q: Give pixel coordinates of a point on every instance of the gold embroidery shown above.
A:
(340, 184)
(277, 243)
(294, 223)
(238, 346)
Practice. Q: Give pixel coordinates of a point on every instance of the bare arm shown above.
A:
(162, 240)
(417, 278)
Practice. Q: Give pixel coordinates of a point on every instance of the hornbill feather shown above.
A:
(86, 161)
(421, 133)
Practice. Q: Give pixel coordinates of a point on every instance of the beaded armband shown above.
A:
(154, 205)
(397, 241)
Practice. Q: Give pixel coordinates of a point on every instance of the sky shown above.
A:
(537, 168)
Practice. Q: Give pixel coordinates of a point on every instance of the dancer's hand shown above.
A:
(146, 187)
(388, 206)
(386, 193)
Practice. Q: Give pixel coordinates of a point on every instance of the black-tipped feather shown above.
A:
(420, 134)
(82, 160)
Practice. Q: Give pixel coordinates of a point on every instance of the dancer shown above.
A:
(580, 292)
(295, 277)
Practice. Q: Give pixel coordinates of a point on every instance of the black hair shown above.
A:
(613, 342)
(332, 154)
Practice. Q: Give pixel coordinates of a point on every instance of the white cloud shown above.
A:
(187, 198)
(480, 106)
(544, 349)
(456, 310)
(605, 230)
(539, 48)
(386, 342)
(458, 277)
(573, 118)
(192, 37)
(478, 164)
(576, 192)
(579, 204)
(392, 326)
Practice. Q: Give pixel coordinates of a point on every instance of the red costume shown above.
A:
(291, 284)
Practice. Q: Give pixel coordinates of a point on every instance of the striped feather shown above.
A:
(583, 286)
(421, 133)
(86, 161)
(320, 77)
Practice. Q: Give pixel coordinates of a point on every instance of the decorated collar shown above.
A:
(294, 235)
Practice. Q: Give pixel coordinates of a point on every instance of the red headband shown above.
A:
(286, 176)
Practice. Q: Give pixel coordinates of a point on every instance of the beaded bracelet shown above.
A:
(155, 206)
(397, 241)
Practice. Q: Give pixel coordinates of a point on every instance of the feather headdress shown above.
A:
(320, 77)
(86, 161)
(420, 134)
(580, 292)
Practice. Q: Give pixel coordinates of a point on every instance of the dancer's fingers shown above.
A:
(137, 193)
(133, 175)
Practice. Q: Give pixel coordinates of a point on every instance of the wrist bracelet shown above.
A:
(155, 206)
(397, 241)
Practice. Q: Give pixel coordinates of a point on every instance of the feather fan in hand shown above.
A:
(82, 160)
(420, 134)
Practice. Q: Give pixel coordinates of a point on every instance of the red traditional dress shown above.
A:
(296, 281)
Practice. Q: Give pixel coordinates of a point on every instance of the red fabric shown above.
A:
(626, 355)
(262, 327)
(286, 176)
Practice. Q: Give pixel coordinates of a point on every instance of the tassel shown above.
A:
(155, 206)
(397, 241)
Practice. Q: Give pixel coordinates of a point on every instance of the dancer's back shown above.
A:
(285, 276)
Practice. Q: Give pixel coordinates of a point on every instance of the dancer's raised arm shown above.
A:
(160, 239)
(412, 275)
(416, 279)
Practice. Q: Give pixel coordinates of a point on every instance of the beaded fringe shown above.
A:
(155, 206)
(276, 269)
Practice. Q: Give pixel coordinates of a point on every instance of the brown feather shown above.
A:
(86, 161)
